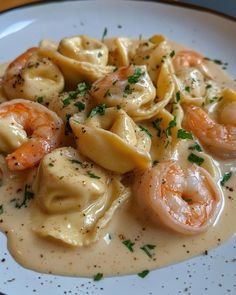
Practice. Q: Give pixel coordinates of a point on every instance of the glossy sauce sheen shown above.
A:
(109, 255)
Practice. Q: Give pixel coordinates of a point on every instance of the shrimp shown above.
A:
(12, 76)
(188, 202)
(219, 139)
(43, 127)
(188, 58)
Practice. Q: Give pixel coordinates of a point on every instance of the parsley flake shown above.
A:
(187, 88)
(145, 130)
(225, 178)
(1, 209)
(80, 105)
(171, 125)
(81, 90)
(92, 175)
(98, 276)
(28, 195)
(133, 79)
(129, 245)
(183, 134)
(99, 109)
(128, 90)
(195, 159)
(172, 54)
(177, 96)
(40, 99)
(74, 161)
(154, 163)
(104, 33)
(107, 93)
(144, 273)
(156, 125)
(196, 147)
(147, 248)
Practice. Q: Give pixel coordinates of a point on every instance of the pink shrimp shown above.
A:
(188, 202)
(44, 129)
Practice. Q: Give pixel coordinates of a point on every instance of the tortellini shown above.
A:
(113, 141)
(76, 197)
(80, 58)
(39, 77)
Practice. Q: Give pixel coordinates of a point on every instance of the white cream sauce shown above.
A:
(109, 255)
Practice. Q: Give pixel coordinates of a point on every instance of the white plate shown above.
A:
(211, 34)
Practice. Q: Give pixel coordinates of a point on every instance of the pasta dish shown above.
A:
(117, 155)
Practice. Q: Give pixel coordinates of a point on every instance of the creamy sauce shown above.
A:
(109, 255)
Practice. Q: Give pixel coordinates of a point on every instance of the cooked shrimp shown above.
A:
(191, 59)
(12, 75)
(219, 139)
(188, 202)
(44, 129)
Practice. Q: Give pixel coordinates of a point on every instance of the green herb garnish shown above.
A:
(128, 90)
(50, 165)
(99, 109)
(188, 200)
(208, 86)
(104, 33)
(1, 209)
(156, 125)
(80, 105)
(196, 147)
(154, 163)
(187, 88)
(225, 178)
(40, 99)
(172, 54)
(183, 134)
(99, 54)
(129, 245)
(28, 195)
(98, 276)
(145, 130)
(107, 93)
(136, 76)
(177, 96)
(171, 125)
(147, 248)
(195, 159)
(81, 90)
(74, 161)
(92, 175)
(144, 273)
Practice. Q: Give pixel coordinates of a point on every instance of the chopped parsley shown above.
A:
(40, 99)
(145, 130)
(147, 248)
(28, 195)
(50, 165)
(74, 161)
(195, 159)
(136, 76)
(104, 33)
(1, 209)
(156, 125)
(171, 125)
(129, 245)
(208, 86)
(99, 109)
(177, 96)
(92, 175)
(172, 54)
(187, 88)
(98, 276)
(225, 178)
(80, 105)
(144, 273)
(81, 90)
(99, 54)
(128, 90)
(196, 147)
(183, 134)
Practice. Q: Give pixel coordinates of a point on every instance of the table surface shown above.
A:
(227, 7)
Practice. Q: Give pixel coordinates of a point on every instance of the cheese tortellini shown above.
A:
(32, 76)
(113, 141)
(79, 58)
(76, 197)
